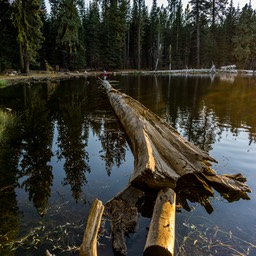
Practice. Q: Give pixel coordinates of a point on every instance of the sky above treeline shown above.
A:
(241, 3)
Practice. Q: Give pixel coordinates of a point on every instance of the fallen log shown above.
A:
(89, 244)
(161, 155)
(161, 235)
(162, 159)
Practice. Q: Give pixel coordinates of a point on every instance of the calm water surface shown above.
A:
(68, 148)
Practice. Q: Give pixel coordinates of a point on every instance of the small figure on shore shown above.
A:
(213, 69)
(104, 75)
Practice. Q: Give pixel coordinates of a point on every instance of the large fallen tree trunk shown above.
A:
(161, 155)
(162, 159)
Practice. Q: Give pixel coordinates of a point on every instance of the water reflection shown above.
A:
(35, 171)
(113, 145)
(70, 108)
(9, 214)
(196, 106)
(73, 113)
(234, 105)
(72, 139)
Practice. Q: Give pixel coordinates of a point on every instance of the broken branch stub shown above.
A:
(161, 234)
(89, 244)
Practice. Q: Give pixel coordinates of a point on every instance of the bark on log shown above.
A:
(89, 244)
(161, 235)
(161, 155)
(122, 210)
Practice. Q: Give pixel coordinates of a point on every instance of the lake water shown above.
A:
(68, 148)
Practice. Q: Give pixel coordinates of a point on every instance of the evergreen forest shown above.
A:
(124, 34)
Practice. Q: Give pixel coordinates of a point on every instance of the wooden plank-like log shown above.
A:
(89, 244)
(161, 234)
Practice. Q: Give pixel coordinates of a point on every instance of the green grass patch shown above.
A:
(3, 83)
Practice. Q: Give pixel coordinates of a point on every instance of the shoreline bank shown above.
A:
(41, 76)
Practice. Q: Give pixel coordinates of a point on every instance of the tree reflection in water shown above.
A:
(113, 144)
(9, 157)
(36, 172)
(70, 107)
(72, 141)
(75, 111)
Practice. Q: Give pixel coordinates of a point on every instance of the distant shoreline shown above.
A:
(40, 76)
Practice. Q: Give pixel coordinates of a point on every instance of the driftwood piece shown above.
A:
(89, 244)
(161, 235)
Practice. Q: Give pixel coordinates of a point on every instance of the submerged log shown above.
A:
(161, 235)
(89, 244)
(122, 210)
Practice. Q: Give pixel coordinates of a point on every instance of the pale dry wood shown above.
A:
(89, 244)
(161, 155)
(47, 253)
(161, 234)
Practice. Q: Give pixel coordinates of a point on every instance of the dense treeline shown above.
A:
(124, 34)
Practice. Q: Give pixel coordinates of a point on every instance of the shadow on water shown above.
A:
(67, 147)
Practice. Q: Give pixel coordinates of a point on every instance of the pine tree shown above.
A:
(217, 11)
(178, 41)
(8, 43)
(68, 23)
(172, 7)
(199, 12)
(187, 36)
(138, 25)
(165, 57)
(114, 27)
(45, 31)
(92, 30)
(244, 39)
(154, 33)
(212, 37)
(27, 20)
(228, 29)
